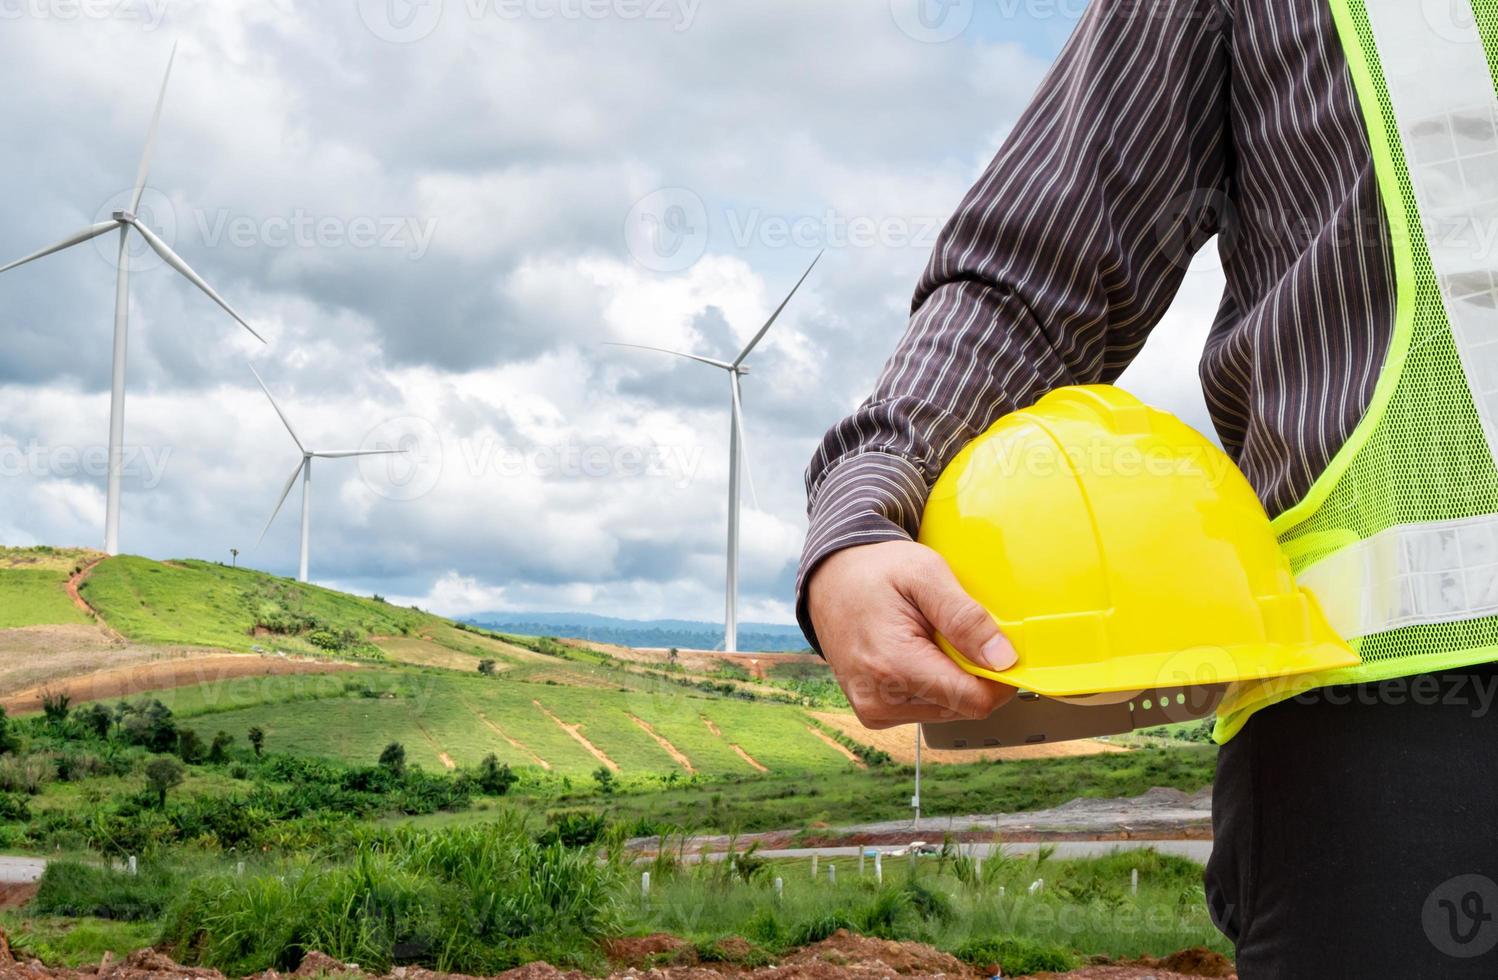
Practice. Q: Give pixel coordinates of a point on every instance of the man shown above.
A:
(1346, 154)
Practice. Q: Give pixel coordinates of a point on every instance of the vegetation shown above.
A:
(33, 586)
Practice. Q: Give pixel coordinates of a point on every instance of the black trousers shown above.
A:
(1357, 832)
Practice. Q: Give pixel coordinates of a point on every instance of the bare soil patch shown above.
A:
(161, 672)
(665, 744)
(900, 744)
(515, 743)
(577, 734)
(738, 750)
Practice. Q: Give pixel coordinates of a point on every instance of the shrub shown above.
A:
(604, 777)
(148, 724)
(495, 778)
(190, 747)
(26, 774)
(574, 828)
(14, 808)
(486, 667)
(393, 757)
(55, 705)
(94, 719)
(257, 739)
(76, 890)
(218, 751)
(1016, 956)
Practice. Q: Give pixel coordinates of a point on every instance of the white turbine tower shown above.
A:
(304, 470)
(124, 221)
(736, 451)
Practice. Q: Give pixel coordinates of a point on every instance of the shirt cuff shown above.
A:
(864, 499)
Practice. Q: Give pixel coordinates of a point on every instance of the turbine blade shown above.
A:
(675, 353)
(284, 420)
(144, 170)
(174, 260)
(776, 315)
(738, 421)
(286, 492)
(349, 453)
(91, 232)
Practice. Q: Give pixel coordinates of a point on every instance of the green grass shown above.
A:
(433, 712)
(204, 604)
(74, 942)
(33, 587)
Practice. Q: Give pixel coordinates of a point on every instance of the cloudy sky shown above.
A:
(438, 212)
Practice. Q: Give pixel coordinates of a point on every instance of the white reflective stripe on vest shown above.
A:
(1442, 92)
(1410, 575)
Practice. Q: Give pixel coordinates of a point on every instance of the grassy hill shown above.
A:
(33, 586)
(557, 710)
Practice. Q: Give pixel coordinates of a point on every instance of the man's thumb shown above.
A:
(965, 624)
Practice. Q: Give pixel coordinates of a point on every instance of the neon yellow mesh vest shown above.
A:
(1398, 538)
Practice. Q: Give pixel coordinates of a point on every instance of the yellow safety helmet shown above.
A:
(1120, 551)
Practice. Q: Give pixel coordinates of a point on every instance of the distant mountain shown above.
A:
(684, 633)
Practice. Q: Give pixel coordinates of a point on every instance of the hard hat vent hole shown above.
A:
(1180, 698)
(1147, 704)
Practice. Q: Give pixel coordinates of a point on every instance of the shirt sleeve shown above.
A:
(1053, 269)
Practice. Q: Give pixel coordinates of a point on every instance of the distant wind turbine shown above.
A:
(123, 221)
(736, 451)
(304, 470)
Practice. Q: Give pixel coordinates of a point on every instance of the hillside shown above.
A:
(335, 675)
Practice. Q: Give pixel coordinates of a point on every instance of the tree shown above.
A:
(55, 705)
(486, 667)
(96, 719)
(162, 774)
(257, 739)
(495, 778)
(150, 724)
(190, 746)
(604, 777)
(219, 750)
(394, 758)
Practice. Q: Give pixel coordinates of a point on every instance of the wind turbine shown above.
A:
(304, 470)
(736, 369)
(124, 221)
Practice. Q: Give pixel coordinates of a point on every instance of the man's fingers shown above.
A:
(958, 617)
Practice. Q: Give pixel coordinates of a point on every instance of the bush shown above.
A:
(494, 778)
(162, 774)
(94, 719)
(393, 757)
(26, 774)
(148, 724)
(486, 667)
(55, 706)
(476, 900)
(190, 747)
(256, 737)
(1016, 956)
(574, 828)
(219, 750)
(77, 890)
(14, 808)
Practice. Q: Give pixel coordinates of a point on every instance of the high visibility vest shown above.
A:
(1398, 538)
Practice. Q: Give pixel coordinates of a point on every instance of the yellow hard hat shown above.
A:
(1120, 551)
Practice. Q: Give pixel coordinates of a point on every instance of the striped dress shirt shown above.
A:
(1161, 124)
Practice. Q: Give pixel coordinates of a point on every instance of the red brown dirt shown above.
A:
(116, 682)
(842, 956)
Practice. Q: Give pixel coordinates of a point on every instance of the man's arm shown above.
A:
(1051, 272)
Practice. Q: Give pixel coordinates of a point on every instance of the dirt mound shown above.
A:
(652, 950)
(1194, 962)
(843, 948)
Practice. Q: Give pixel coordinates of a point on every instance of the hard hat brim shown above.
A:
(1196, 666)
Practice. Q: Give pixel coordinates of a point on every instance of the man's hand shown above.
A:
(877, 608)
